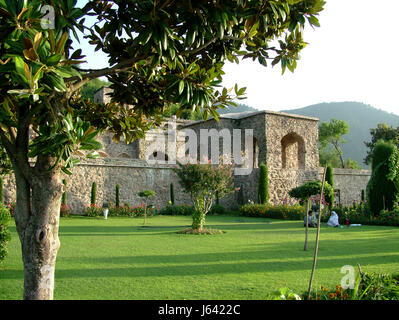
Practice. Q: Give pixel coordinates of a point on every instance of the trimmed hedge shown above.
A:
(177, 210)
(284, 212)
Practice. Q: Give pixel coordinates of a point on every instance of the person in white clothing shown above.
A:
(333, 221)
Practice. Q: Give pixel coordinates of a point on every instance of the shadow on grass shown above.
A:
(224, 265)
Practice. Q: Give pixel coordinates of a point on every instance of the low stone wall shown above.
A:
(349, 183)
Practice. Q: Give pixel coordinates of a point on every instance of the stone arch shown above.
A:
(292, 151)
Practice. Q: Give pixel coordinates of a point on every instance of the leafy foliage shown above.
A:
(5, 163)
(117, 200)
(263, 187)
(93, 194)
(330, 180)
(4, 232)
(285, 212)
(310, 188)
(177, 210)
(382, 132)
(383, 186)
(330, 134)
(202, 182)
(146, 193)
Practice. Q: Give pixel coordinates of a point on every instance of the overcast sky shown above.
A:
(353, 56)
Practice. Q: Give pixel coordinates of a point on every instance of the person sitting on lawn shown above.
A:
(333, 221)
(311, 221)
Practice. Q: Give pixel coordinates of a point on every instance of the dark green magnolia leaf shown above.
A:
(181, 86)
(54, 59)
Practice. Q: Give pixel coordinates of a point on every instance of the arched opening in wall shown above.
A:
(256, 153)
(158, 156)
(124, 155)
(292, 151)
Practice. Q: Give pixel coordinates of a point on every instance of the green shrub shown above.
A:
(177, 210)
(5, 235)
(217, 209)
(383, 186)
(126, 210)
(65, 210)
(11, 208)
(369, 286)
(93, 211)
(285, 212)
(329, 198)
(93, 194)
(263, 186)
(361, 214)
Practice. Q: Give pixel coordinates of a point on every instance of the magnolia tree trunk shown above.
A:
(37, 221)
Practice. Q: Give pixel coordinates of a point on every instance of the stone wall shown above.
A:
(349, 184)
(133, 176)
(136, 175)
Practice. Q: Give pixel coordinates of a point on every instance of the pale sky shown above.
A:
(353, 56)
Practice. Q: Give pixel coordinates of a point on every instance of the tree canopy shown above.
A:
(331, 134)
(311, 188)
(382, 132)
(383, 186)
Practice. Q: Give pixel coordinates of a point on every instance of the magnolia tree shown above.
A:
(205, 182)
(160, 53)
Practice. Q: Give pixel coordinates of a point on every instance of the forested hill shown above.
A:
(360, 118)
(240, 108)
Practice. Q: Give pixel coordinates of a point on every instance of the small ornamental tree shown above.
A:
(93, 195)
(303, 194)
(263, 187)
(117, 199)
(202, 182)
(146, 194)
(330, 180)
(172, 194)
(310, 188)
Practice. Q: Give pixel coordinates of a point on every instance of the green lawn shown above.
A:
(119, 259)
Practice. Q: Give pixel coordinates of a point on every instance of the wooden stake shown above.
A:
(316, 249)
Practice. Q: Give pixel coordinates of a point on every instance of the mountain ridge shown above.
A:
(360, 117)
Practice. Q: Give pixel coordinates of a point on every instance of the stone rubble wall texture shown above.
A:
(350, 183)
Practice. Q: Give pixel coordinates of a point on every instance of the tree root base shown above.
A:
(202, 231)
